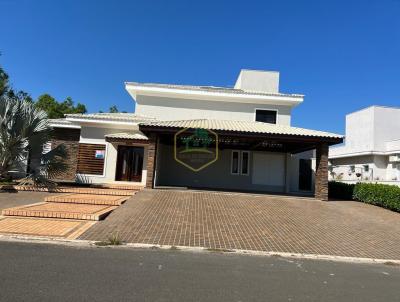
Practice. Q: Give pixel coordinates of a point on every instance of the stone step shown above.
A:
(79, 190)
(118, 186)
(64, 228)
(88, 199)
(61, 211)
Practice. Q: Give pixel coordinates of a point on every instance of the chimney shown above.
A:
(258, 81)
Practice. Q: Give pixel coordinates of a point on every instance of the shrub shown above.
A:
(386, 196)
(341, 190)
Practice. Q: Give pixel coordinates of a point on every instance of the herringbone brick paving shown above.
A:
(254, 222)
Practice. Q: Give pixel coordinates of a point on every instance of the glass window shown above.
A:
(366, 168)
(245, 163)
(266, 116)
(235, 162)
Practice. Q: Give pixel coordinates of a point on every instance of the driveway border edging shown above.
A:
(91, 244)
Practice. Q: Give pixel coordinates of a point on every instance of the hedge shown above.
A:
(385, 196)
(341, 190)
(380, 195)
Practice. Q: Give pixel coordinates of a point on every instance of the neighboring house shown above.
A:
(256, 147)
(371, 151)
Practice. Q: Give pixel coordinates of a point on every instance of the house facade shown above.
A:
(371, 151)
(237, 138)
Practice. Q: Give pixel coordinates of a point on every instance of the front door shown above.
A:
(305, 175)
(129, 163)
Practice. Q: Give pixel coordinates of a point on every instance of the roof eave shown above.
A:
(136, 89)
(102, 121)
(59, 125)
(314, 138)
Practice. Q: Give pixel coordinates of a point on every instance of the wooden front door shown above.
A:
(129, 163)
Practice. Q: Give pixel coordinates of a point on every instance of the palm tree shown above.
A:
(24, 130)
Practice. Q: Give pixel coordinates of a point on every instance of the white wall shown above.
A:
(258, 81)
(378, 167)
(386, 126)
(360, 131)
(373, 129)
(95, 135)
(182, 109)
(269, 169)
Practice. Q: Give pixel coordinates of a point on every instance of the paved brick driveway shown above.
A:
(254, 222)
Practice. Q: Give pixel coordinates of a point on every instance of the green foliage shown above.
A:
(6, 90)
(3, 81)
(55, 109)
(377, 194)
(113, 239)
(113, 109)
(45, 102)
(24, 129)
(341, 190)
(385, 196)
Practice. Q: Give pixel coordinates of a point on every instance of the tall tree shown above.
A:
(6, 89)
(3, 81)
(56, 109)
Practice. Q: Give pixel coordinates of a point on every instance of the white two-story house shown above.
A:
(371, 151)
(237, 138)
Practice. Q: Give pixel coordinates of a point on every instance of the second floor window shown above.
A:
(266, 116)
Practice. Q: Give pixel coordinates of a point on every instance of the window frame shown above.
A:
(238, 162)
(248, 163)
(267, 109)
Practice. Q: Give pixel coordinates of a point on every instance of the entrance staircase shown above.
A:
(83, 203)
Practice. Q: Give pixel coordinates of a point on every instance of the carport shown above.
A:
(251, 156)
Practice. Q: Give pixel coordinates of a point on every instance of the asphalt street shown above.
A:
(42, 272)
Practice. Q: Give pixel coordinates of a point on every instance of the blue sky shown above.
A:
(343, 55)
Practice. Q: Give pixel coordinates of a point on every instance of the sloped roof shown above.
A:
(211, 89)
(136, 134)
(241, 126)
(126, 117)
(62, 123)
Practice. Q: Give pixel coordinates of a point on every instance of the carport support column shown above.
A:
(321, 172)
(151, 160)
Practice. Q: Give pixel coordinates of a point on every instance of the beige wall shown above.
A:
(178, 109)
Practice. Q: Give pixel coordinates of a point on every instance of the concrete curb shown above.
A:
(91, 244)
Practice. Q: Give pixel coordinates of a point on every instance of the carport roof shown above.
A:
(241, 126)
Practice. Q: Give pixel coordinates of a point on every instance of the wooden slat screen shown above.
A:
(87, 163)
